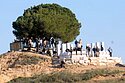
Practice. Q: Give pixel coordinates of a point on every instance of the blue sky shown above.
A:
(102, 20)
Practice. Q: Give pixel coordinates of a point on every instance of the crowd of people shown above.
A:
(96, 50)
(38, 43)
(45, 44)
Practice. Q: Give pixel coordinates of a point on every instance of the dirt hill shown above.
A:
(22, 64)
(26, 64)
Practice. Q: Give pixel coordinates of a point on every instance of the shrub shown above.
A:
(99, 72)
(121, 80)
(66, 77)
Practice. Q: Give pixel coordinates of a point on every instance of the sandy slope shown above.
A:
(26, 64)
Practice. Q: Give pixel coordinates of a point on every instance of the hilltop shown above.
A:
(26, 64)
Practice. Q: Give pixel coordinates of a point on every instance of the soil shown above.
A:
(14, 65)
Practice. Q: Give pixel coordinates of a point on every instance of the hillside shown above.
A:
(19, 64)
(25, 64)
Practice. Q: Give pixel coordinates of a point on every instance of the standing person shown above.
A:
(26, 42)
(45, 43)
(52, 42)
(71, 50)
(110, 51)
(41, 42)
(80, 45)
(94, 50)
(30, 43)
(76, 46)
(88, 50)
(76, 43)
(37, 44)
(102, 48)
(97, 51)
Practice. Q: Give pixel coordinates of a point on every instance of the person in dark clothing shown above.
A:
(71, 50)
(81, 49)
(94, 50)
(88, 50)
(102, 48)
(76, 46)
(56, 42)
(110, 51)
(48, 52)
(62, 64)
(76, 50)
(97, 51)
(76, 43)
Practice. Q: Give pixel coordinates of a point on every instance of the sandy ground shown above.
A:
(8, 73)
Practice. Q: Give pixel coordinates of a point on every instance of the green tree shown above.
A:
(47, 20)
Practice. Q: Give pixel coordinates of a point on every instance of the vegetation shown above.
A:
(24, 59)
(28, 60)
(103, 72)
(120, 80)
(67, 77)
(47, 20)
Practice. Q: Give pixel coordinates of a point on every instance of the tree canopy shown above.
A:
(47, 20)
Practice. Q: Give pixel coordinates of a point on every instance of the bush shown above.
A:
(121, 80)
(100, 72)
(26, 60)
(56, 77)
(65, 77)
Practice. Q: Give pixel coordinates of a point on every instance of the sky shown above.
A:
(101, 20)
